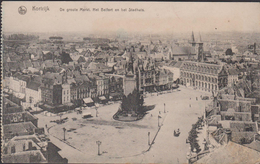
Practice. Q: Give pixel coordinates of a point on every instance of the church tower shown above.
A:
(200, 51)
(198, 46)
(193, 42)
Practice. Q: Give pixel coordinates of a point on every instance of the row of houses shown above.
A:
(23, 141)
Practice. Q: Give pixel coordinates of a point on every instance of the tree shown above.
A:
(241, 61)
(229, 51)
(132, 102)
(65, 58)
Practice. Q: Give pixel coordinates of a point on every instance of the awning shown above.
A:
(115, 94)
(87, 100)
(69, 104)
(102, 98)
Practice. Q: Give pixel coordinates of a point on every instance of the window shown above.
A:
(67, 91)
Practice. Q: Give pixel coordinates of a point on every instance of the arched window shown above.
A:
(206, 79)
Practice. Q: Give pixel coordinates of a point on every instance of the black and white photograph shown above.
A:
(130, 82)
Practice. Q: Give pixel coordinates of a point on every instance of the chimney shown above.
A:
(30, 145)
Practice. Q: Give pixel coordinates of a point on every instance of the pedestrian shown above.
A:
(151, 115)
(190, 105)
(46, 126)
(190, 98)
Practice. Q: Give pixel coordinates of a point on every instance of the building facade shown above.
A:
(203, 76)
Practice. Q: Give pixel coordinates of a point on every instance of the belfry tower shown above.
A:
(198, 48)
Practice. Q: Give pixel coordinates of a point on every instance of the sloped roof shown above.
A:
(33, 85)
(233, 71)
(25, 157)
(231, 153)
(19, 128)
(183, 50)
(24, 78)
(178, 64)
(254, 145)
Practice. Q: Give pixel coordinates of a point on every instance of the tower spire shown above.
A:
(192, 37)
(200, 39)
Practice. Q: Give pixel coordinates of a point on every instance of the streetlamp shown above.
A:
(98, 143)
(96, 111)
(60, 116)
(64, 130)
(189, 155)
(164, 108)
(149, 138)
(159, 120)
(205, 144)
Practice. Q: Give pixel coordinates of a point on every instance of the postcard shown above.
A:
(130, 82)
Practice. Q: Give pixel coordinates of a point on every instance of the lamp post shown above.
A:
(64, 130)
(205, 144)
(149, 138)
(189, 155)
(96, 111)
(159, 120)
(164, 108)
(98, 143)
(60, 116)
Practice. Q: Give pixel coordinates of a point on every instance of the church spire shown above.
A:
(200, 39)
(192, 37)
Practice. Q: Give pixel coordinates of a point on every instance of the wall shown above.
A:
(35, 95)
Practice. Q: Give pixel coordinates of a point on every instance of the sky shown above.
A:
(158, 17)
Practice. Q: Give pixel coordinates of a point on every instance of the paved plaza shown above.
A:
(128, 141)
